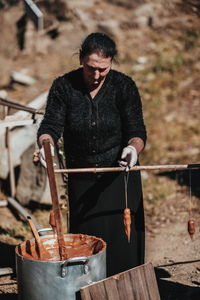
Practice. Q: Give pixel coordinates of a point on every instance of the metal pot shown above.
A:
(51, 280)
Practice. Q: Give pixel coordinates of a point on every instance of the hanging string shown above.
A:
(176, 185)
(126, 177)
(127, 211)
(190, 194)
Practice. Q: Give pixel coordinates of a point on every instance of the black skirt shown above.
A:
(96, 208)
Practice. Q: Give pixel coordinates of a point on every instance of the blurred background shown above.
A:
(159, 47)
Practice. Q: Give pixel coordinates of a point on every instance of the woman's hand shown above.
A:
(41, 150)
(129, 157)
(42, 155)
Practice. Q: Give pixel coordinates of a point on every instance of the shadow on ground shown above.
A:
(7, 257)
(8, 297)
(190, 178)
(173, 290)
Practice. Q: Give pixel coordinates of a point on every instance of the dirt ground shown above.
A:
(169, 247)
(158, 43)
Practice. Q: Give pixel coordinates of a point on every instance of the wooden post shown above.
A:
(54, 197)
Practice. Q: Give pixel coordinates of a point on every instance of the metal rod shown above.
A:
(136, 168)
(21, 210)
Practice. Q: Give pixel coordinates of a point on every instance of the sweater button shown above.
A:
(93, 151)
(93, 124)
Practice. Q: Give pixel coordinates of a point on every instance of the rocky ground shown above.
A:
(158, 45)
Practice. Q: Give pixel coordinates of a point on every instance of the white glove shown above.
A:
(42, 155)
(129, 157)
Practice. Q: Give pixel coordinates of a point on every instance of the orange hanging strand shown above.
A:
(127, 222)
(127, 211)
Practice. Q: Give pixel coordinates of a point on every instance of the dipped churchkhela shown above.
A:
(127, 222)
(191, 228)
(127, 211)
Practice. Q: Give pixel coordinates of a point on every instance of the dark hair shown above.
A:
(98, 42)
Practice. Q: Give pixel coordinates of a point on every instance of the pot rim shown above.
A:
(50, 237)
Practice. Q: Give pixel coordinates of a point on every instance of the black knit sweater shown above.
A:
(94, 130)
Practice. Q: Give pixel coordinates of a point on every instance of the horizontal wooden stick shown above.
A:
(136, 168)
(18, 106)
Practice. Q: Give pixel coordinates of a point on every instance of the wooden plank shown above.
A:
(135, 284)
(143, 283)
(124, 285)
(21, 137)
(22, 78)
(85, 294)
(111, 289)
(3, 203)
(16, 118)
(54, 198)
(6, 271)
(14, 123)
(151, 279)
(36, 103)
(97, 292)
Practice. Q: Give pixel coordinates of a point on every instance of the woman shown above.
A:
(98, 110)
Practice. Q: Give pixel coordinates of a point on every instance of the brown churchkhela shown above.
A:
(127, 222)
(191, 228)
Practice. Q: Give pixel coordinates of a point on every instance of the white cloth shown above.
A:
(129, 157)
(42, 155)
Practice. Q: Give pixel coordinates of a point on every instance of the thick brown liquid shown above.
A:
(76, 245)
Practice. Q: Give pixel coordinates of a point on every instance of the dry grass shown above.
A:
(167, 77)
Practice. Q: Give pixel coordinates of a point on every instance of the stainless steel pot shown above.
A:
(52, 280)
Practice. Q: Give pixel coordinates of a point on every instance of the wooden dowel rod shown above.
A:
(136, 168)
(10, 164)
(14, 105)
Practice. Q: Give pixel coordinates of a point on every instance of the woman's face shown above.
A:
(95, 68)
